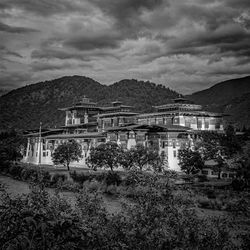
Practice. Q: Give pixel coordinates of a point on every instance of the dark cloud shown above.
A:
(46, 53)
(94, 41)
(178, 42)
(12, 29)
(44, 7)
(44, 66)
(6, 52)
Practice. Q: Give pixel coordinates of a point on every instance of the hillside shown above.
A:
(231, 97)
(25, 107)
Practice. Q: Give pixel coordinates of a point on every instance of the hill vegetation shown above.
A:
(231, 97)
(25, 107)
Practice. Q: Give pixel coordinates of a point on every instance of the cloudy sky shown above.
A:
(187, 45)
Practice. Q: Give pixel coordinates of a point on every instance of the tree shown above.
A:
(66, 153)
(190, 161)
(139, 157)
(241, 162)
(218, 147)
(12, 145)
(106, 155)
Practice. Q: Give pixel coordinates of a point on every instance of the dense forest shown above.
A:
(25, 107)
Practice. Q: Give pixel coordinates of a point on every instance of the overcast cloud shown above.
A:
(185, 45)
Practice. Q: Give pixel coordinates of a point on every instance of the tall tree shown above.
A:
(66, 153)
(191, 162)
(106, 155)
(12, 145)
(218, 147)
(139, 157)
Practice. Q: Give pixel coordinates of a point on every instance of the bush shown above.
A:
(92, 186)
(15, 171)
(136, 177)
(69, 185)
(45, 177)
(79, 177)
(238, 184)
(99, 176)
(58, 179)
(113, 178)
(4, 167)
(29, 174)
(111, 190)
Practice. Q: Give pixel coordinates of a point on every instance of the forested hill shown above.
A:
(231, 97)
(25, 107)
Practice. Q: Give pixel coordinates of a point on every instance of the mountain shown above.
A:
(231, 97)
(25, 107)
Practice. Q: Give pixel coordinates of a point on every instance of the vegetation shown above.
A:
(33, 99)
(12, 146)
(66, 153)
(106, 155)
(158, 219)
(190, 161)
(140, 157)
(235, 100)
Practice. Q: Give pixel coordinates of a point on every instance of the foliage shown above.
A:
(79, 177)
(42, 96)
(105, 155)
(113, 178)
(58, 179)
(190, 161)
(66, 153)
(241, 163)
(219, 147)
(156, 220)
(140, 157)
(12, 146)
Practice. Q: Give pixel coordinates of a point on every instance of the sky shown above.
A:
(186, 45)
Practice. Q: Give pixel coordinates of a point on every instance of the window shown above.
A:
(174, 153)
(224, 175)
(44, 154)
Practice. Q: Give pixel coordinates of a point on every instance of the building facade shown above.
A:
(165, 131)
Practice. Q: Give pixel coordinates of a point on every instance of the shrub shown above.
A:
(92, 186)
(4, 167)
(99, 176)
(111, 189)
(113, 178)
(58, 179)
(238, 184)
(29, 174)
(69, 185)
(204, 202)
(170, 173)
(79, 177)
(15, 171)
(45, 177)
(136, 177)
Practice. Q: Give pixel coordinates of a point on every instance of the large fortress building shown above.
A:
(166, 130)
